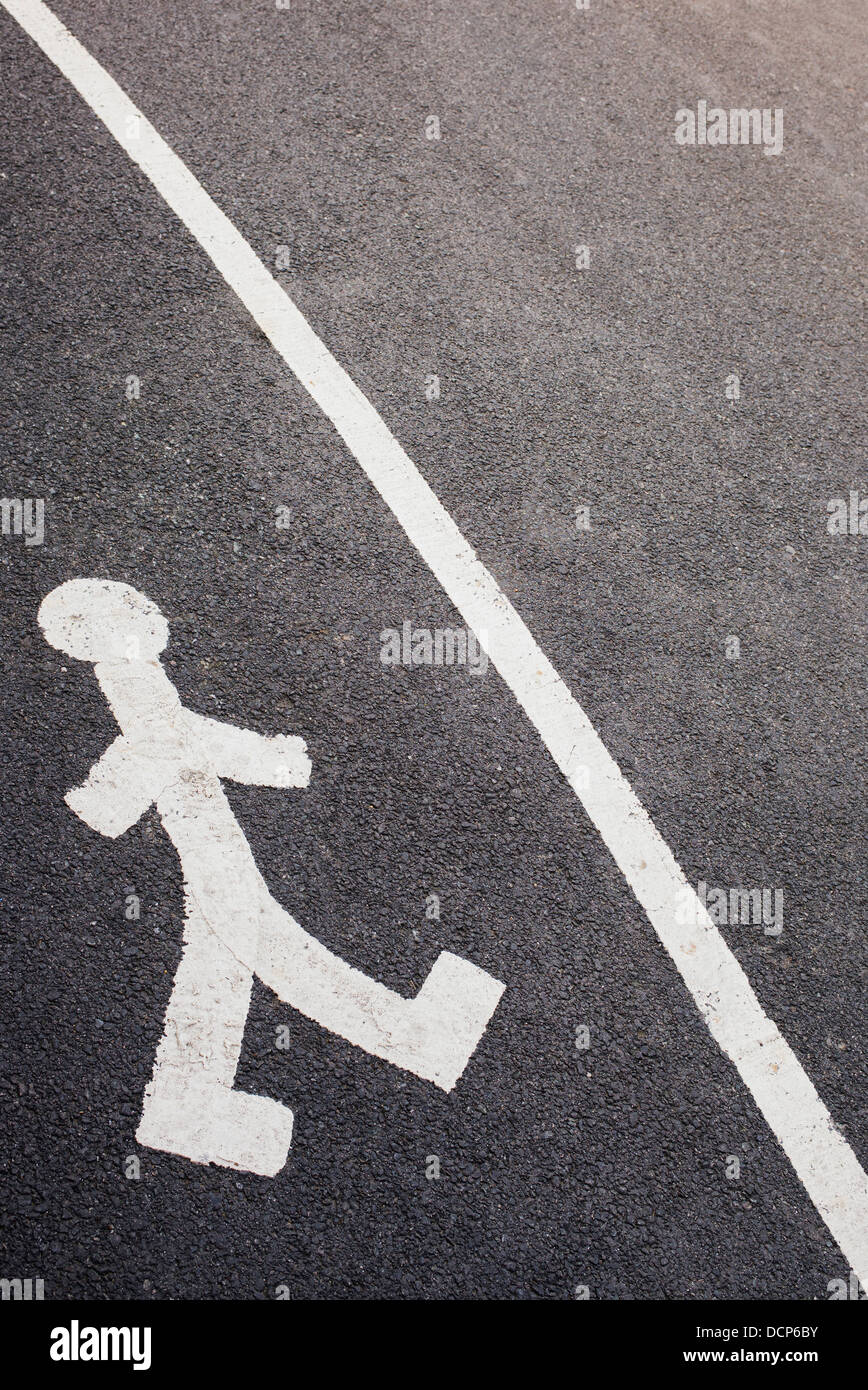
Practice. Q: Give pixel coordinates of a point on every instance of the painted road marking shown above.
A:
(822, 1158)
(169, 756)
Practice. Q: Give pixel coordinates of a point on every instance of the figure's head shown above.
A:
(99, 620)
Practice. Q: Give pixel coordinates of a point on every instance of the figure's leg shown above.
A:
(190, 1107)
(432, 1035)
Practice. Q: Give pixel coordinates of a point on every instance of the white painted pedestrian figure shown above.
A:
(172, 758)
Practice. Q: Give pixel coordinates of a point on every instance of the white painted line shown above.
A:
(820, 1155)
(170, 757)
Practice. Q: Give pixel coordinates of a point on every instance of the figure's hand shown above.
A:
(292, 766)
(118, 790)
(250, 758)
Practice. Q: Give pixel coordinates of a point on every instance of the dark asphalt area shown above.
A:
(559, 388)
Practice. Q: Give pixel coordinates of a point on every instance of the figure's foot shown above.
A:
(449, 1016)
(209, 1123)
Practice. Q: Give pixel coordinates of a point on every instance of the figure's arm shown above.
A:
(118, 790)
(247, 757)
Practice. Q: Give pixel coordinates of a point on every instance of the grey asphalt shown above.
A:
(559, 388)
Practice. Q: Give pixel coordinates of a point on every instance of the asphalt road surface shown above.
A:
(663, 532)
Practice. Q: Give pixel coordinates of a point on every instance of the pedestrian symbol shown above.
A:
(170, 757)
